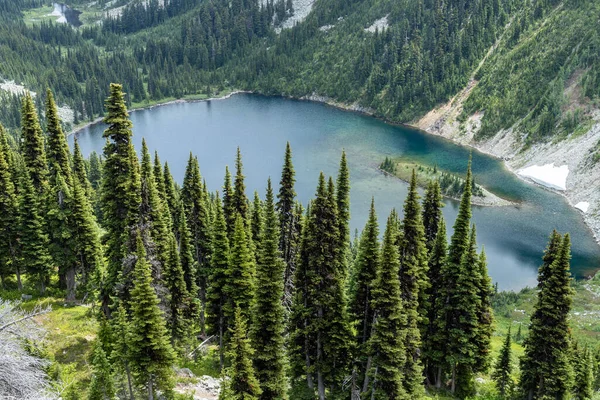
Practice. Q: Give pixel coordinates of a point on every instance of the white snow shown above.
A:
(547, 175)
(583, 206)
(14, 88)
(58, 12)
(380, 25)
(325, 28)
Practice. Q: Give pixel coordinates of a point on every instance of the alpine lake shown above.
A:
(514, 236)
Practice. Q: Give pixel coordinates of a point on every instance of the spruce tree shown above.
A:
(217, 279)
(240, 286)
(239, 201)
(321, 334)
(179, 298)
(583, 373)
(33, 147)
(120, 188)
(433, 348)
(102, 386)
(285, 209)
(58, 149)
(485, 316)
(343, 211)
(242, 383)
(365, 271)
(33, 241)
(432, 212)
(387, 354)
(151, 355)
(172, 199)
(267, 331)
(186, 254)
(95, 172)
(503, 370)
(121, 348)
(545, 367)
(228, 205)
(8, 218)
(413, 286)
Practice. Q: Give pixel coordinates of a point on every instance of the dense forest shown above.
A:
(521, 54)
(296, 309)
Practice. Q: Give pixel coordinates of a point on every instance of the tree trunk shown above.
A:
(42, 284)
(19, 282)
(221, 350)
(129, 384)
(366, 381)
(438, 378)
(320, 382)
(150, 389)
(71, 284)
(453, 388)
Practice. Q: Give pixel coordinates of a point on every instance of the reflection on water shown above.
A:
(514, 237)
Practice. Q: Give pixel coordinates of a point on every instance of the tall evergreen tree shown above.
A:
(413, 286)
(120, 187)
(267, 331)
(33, 241)
(242, 383)
(387, 355)
(503, 370)
(256, 224)
(33, 147)
(320, 324)
(365, 271)
(239, 201)
(343, 211)
(285, 209)
(228, 204)
(179, 298)
(186, 253)
(172, 198)
(151, 355)
(80, 170)
(240, 286)
(217, 279)
(485, 315)
(433, 349)
(545, 368)
(8, 218)
(121, 349)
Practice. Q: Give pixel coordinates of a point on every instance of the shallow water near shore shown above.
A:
(514, 237)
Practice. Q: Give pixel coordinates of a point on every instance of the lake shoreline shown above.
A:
(589, 221)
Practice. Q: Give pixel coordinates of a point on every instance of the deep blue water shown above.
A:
(514, 237)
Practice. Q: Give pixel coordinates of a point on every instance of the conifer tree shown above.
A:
(179, 298)
(323, 341)
(503, 370)
(365, 271)
(120, 188)
(102, 387)
(159, 178)
(33, 241)
(432, 212)
(267, 331)
(239, 287)
(33, 147)
(121, 349)
(583, 373)
(58, 149)
(151, 355)
(433, 349)
(8, 218)
(485, 316)
(95, 173)
(239, 201)
(242, 383)
(387, 355)
(343, 211)
(413, 286)
(545, 367)
(217, 279)
(285, 209)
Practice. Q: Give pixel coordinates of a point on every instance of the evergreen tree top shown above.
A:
(117, 118)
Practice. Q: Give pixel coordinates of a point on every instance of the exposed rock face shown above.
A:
(201, 388)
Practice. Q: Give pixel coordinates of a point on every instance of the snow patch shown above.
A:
(583, 206)
(380, 25)
(14, 88)
(301, 10)
(547, 175)
(326, 28)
